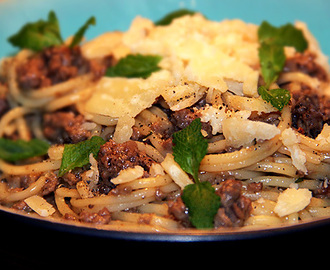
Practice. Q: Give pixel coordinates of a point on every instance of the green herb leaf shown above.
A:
(190, 147)
(38, 35)
(277, 97)
(202, 203)
(135, 66)
(167, 19)
(286, 35)
(272, 60)
(77, 155)
(271, 51)
(17, 150)
(80, 33)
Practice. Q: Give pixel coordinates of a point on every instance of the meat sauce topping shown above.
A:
(310, 111)
(57, 64)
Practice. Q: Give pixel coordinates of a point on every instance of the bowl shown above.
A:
(117, 15)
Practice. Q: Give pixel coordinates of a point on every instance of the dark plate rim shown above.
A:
(184, 236)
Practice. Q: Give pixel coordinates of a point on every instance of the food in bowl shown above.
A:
(180, 123)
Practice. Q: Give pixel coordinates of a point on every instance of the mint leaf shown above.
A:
(286, 35)
(271, 51)
(272, 58)
(202, 203)
(272, 61)
(135, 66)
(277, 97)
(167, 19)
(18, 150)
(38, 35)
(77, 155)
(80, 33)
(190, 147)
(42, 34)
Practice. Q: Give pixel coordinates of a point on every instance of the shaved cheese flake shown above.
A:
(291, 141)
(250, 104)
(117, 97)
(124, 129)
(214, 116)
(324, 137)
(292, 200)
(237, 136)
(183, 96)
(213, 70)
(219, 55)
(94, 172)
(40, 206)
(128, 175)
(83, 190)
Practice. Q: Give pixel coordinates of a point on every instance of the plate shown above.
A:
(319, 226)
(117, 15)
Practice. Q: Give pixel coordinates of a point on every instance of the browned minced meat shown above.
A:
(323, 192)
(235, 208)
(57, 64)
(22, 205)
(309, 111)
(305, 62)
(101, 217)
(24, 181)
(50, 184)
(179, 211)
(183, 118)
(113, 158)
(4, 106)
(51, 66)
(64, 127)
(269, 118)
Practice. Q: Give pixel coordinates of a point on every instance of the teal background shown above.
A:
(117, 14)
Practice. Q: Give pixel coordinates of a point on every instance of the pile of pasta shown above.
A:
(217, 61)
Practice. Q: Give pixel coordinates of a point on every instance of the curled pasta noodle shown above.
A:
(112, 199)
(151, 219)
(33, 189)
(47, 165)
(62, 207)
(299, 77)
(12, 115)
(246, 156)
(282, 181)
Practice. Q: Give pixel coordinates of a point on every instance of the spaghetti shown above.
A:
(208, 70)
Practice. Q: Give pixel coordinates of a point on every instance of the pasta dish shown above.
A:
(175, 124)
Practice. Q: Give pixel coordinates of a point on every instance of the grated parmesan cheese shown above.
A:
(197, 55)
(236, 136)
(128, 175)
(40, 206)
(292, 200)
(324, 137)
(291, 141)
(214, 116)
(118, 97)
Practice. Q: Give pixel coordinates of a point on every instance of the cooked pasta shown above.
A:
(269, 166)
